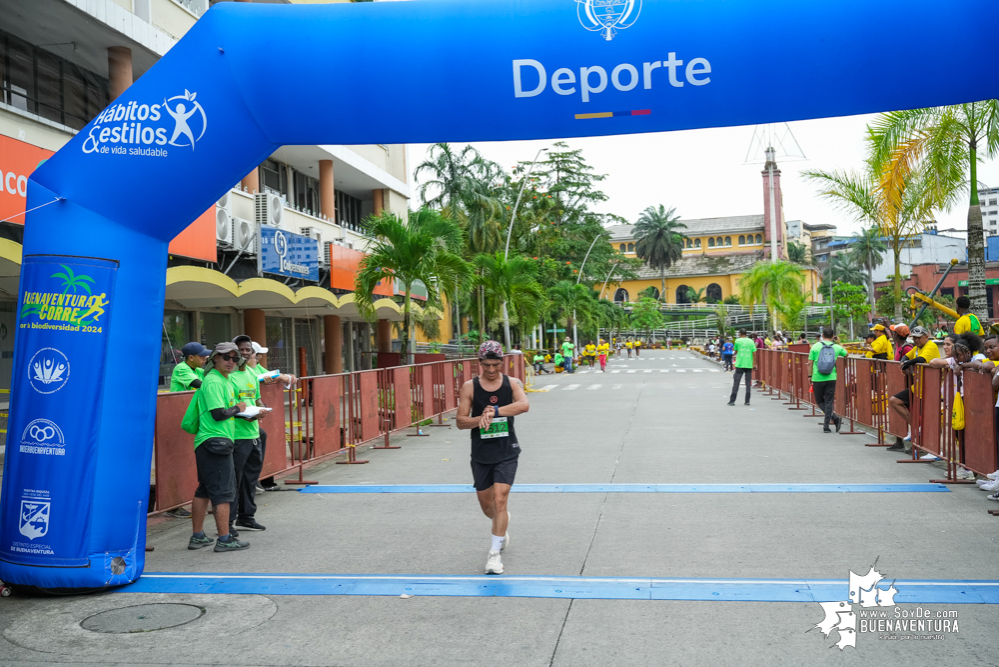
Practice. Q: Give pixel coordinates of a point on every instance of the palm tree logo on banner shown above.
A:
(608, 16)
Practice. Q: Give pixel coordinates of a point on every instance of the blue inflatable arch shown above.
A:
(76, 481)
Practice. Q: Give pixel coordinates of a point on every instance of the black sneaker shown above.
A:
(898, 446)
(232, 531)
(249, 524)
(746, 403)
(731, 402)
(180, 513)
(827, 430)
(231, 545)
(839, 422)
(199, 542)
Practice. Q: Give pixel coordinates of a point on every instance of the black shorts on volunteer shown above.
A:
(216, 473)
(484, 475)
(903, 396)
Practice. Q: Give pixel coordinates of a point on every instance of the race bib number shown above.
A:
(498, 428)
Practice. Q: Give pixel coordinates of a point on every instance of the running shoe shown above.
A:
(964, 473)
(929, 457)
(993, 475)
(231, 545)
(839, 422)
(249, 524)
(494, 564)
(897, 447)
(990, 486)
(994, 496)
(908, 435)
(199, 542)
(180, 513)
(731, 403)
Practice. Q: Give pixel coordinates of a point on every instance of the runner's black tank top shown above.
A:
(499, 447)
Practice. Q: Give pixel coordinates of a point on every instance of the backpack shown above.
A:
(976, 325)
(826, 362)
(192, 418)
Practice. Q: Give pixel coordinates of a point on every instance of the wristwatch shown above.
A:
(496, 408)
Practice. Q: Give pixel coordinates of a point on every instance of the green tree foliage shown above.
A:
(649, 292)
(771, 283)
(845, 268)
(868, 250)
(513, 281)
(426, 249)
(850, 301)
(659, 240)
(797, 252)
(645, 315)
(791, 312)
(696, 295)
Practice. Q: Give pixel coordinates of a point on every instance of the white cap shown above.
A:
(257, 349)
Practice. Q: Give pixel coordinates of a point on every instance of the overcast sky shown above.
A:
(703, 173)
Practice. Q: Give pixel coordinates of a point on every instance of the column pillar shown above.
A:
(384, 336)
(333, 335)
(119, 70)
(379, 197)
(251, 181)
(255, 326)
(327, 192)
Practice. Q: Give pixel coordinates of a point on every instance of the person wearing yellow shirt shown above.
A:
(881, 347)
(603, 349)
(925, 350)
(591, 353)
(630, 345)
(967, 320)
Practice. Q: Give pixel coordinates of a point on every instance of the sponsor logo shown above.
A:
(48, 370)
(281, 248)
(494, 399)
(608, 16)
(73, 308)
(43, 437)
(872, 596)
(132, 128)
(34, 518)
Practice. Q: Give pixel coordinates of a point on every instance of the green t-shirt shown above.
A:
(744, 351)
(247, 391)
(567, 349)
(184, 375)
(814, 356)
(538, 359)
(216, 392)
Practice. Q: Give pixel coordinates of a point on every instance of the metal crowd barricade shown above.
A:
(317, 419)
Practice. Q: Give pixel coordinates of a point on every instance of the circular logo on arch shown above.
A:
(48, 370)
(189, 119)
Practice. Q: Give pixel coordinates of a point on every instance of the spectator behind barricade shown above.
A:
(967, 322)
(868, 343)
(990, 348)
(190, 373)
(923, 352)
(900, 334)
(958, 353)
(802, 338)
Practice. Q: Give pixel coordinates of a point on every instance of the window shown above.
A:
(307, 193)
(621, 295)
(40, 82)
(690, 244)
(714, 293)
(759, 238)
(274, 177)
(718, 242)
(348, 210)
(681, 294)
(742, 239)
(993, 202)
(631, 247)
(728, 241)
(280, 354)
(623, 248)
(697, 243)
(711, 243)
(215, 328)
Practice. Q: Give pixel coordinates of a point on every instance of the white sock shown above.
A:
(497, 543)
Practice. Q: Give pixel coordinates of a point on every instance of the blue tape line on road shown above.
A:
(639, 488)
(593, 588)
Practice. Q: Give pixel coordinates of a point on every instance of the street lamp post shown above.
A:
(575, 340)
(509, 233)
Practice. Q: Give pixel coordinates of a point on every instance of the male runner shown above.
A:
(487, 405)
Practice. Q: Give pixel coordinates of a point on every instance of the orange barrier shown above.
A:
(324, 416)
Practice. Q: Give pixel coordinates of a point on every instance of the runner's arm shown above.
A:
(520, 404)
(463, 419)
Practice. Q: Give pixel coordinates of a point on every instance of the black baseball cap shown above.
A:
(242, 338)
(195, 349)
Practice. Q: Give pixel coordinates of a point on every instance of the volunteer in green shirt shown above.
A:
(213, 445)
(567, 353)
(190, 373)
(925, 349)
(824, 384)
(539, 363)
(744, 351)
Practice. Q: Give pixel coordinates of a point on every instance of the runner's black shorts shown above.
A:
(216, 472)
(487, 474)
(903, 396)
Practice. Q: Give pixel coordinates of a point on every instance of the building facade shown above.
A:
(988, 199)
(62, 62)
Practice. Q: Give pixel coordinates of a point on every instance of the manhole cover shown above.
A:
(142, 618)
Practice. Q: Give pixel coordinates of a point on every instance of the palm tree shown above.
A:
(946, 142)
(571, 298)
(867, 249)
(659, 241)
(797, 253)
(792, 312)
(426, 249)
(845, 268)
(899, 207)
(511, 281)
(695, 296)
(771, 283)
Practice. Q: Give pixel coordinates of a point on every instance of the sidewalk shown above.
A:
(661, 419)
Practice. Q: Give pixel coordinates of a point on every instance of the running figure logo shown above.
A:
(182, 108)
(608, 16)
(34, 519)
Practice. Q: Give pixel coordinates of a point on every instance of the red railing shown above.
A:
(323, 417)
(863, 390)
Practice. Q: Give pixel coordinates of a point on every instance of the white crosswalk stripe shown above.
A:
(632, 371)
(615, 371)
(617, 386)
(570, 387)
(715, 370)
(680, 370)
(649, 371)
(664, 370)
(698, 370)
(547, 387)
(594, 386)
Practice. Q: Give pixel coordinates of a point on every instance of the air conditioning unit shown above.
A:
(324, 251)
(223, 220)
(269, 209)
(244, 235)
